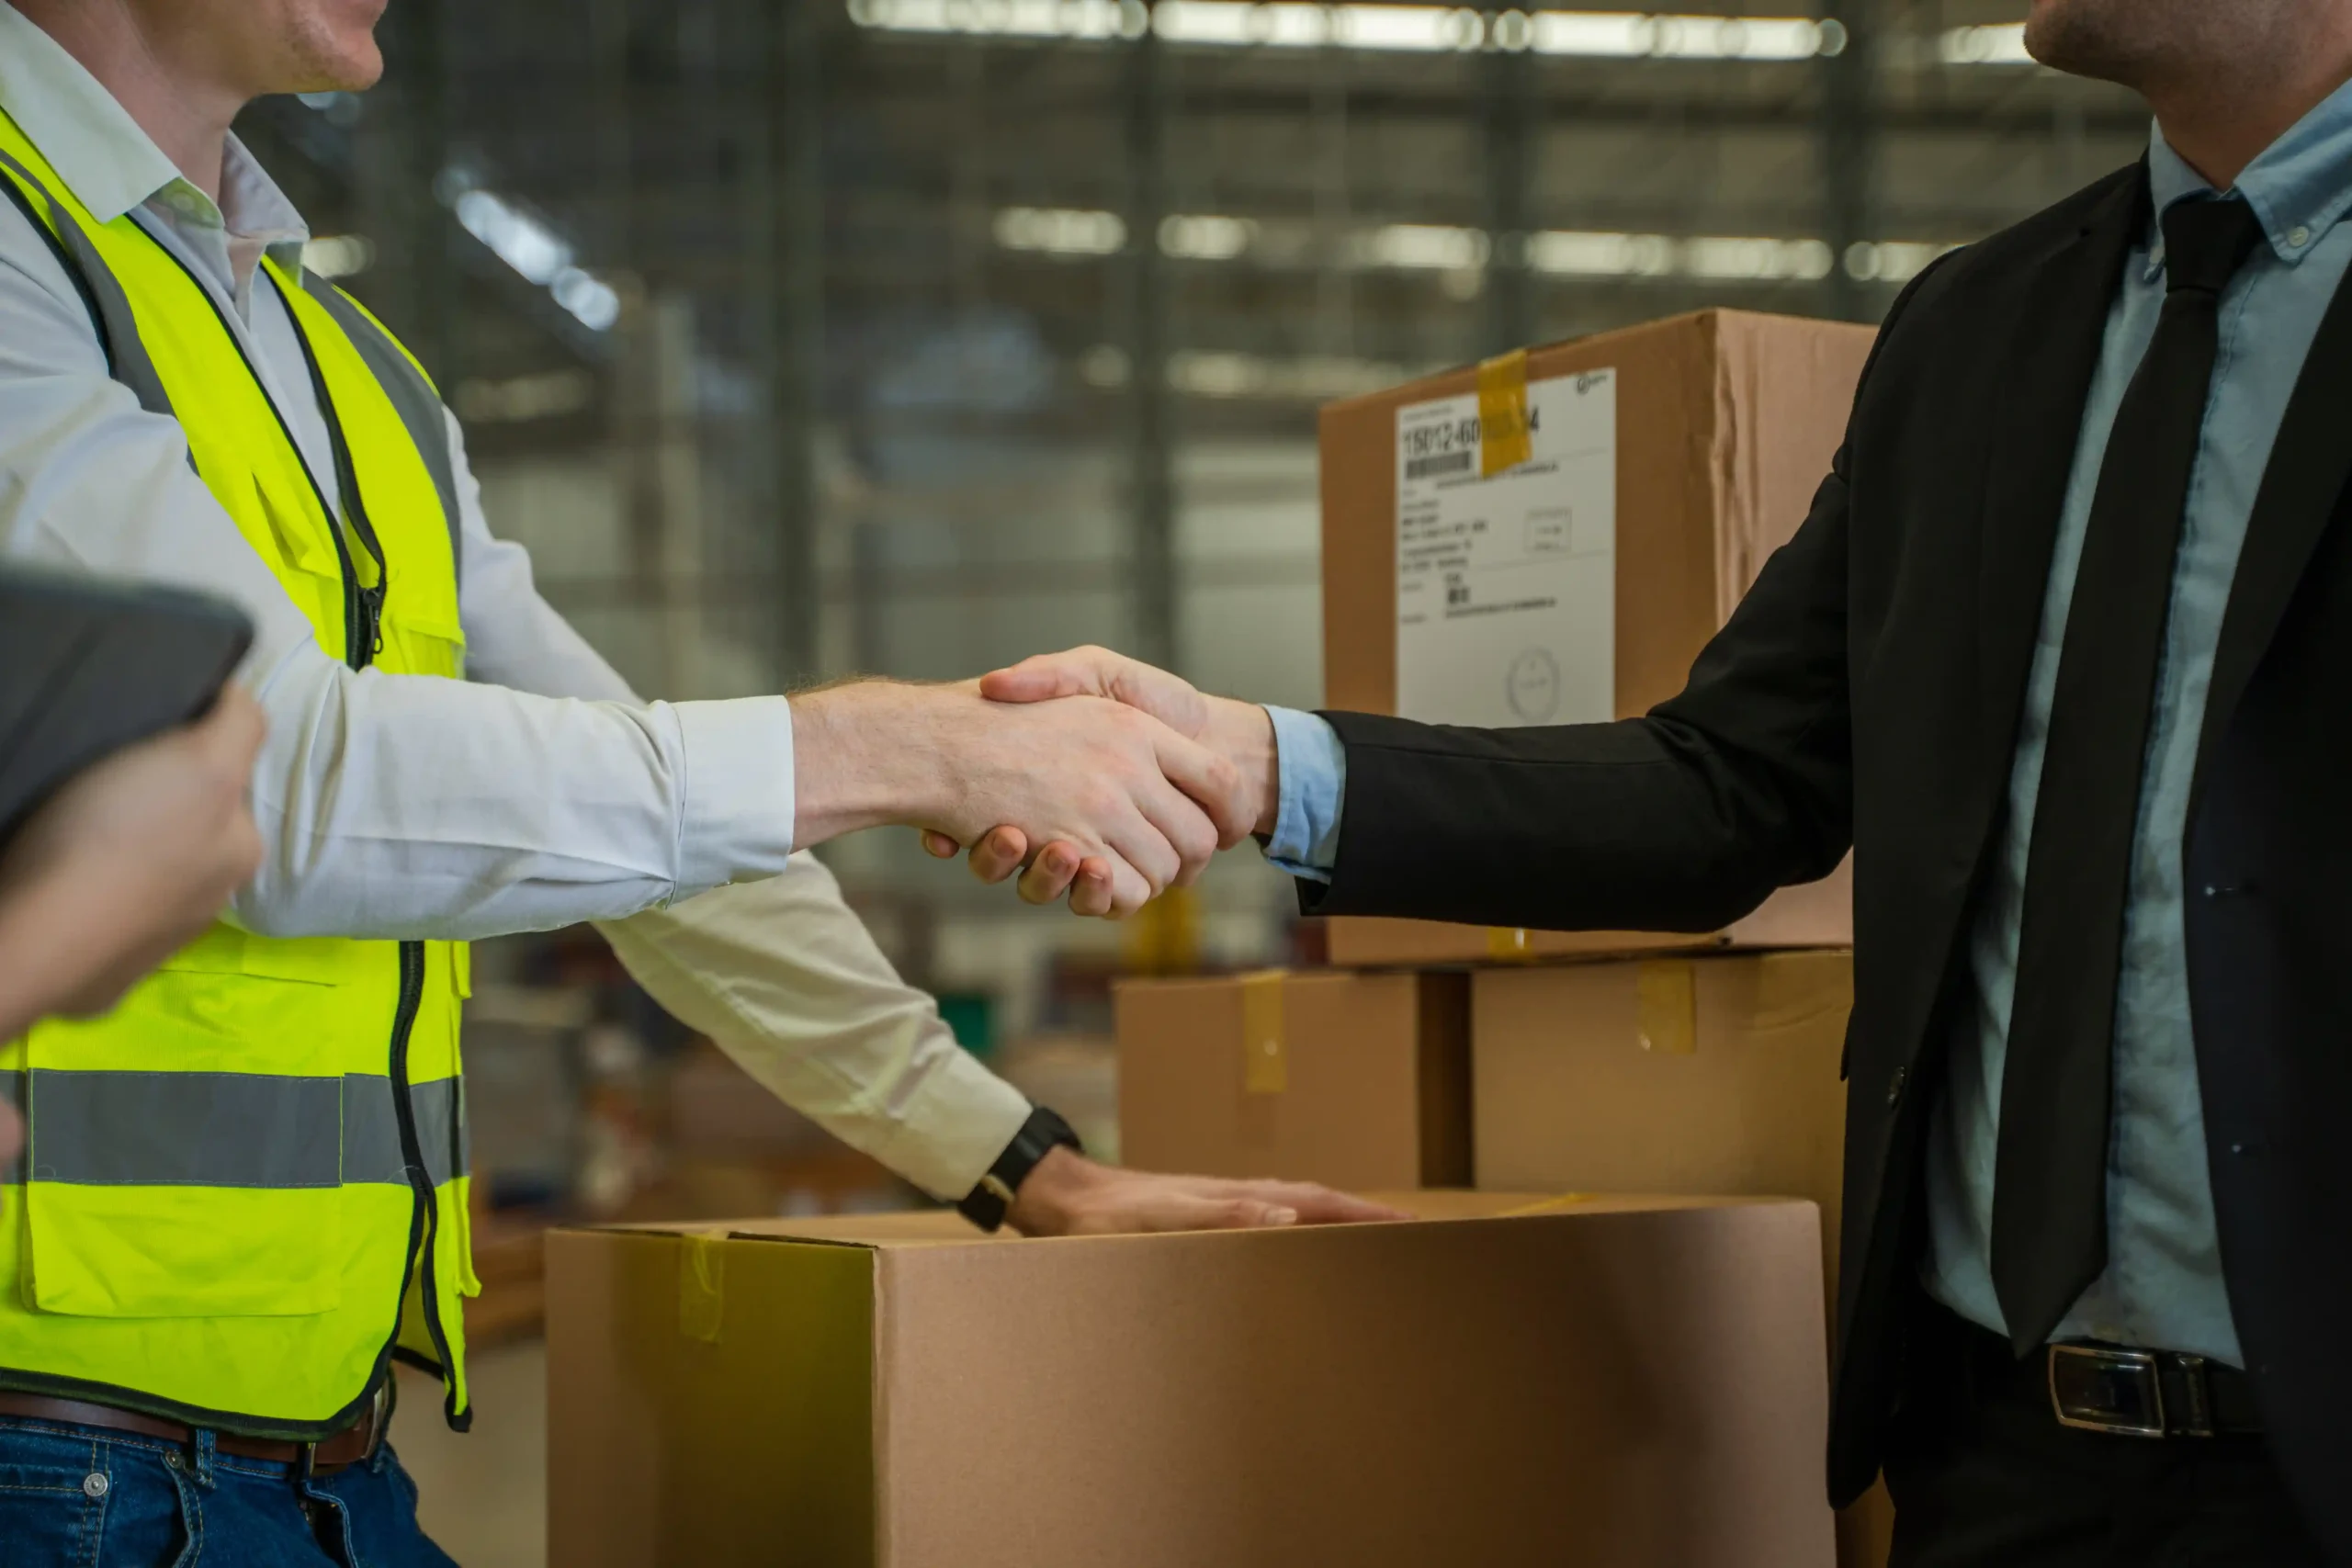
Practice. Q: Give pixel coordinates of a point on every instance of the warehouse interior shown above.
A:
(800, 339)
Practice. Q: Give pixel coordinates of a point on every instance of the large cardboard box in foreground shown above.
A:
(1353, 1080)
(1661, 465)
(1616, 1382)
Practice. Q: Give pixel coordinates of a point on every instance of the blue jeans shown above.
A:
(80, 1498)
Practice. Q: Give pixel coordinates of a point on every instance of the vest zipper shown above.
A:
(364, 610)
(420, 1175)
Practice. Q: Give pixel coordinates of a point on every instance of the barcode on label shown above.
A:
(1443, 463)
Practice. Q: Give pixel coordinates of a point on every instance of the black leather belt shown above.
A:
(2111, 1389)
(2149, 1394)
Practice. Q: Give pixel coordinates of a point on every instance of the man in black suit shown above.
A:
(2062, 652)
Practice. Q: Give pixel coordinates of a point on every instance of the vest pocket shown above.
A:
(185, 1155)
(176, 1252)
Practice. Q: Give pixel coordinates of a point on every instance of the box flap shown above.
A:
(929, 1228)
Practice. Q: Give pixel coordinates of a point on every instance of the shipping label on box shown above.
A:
(1507, 584)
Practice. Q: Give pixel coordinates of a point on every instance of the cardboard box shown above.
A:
(1353, 1080)
(1712, 1074)
(1616, 1382)
(1665, 463)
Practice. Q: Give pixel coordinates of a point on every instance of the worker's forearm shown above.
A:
(395, 805)
(867, 754)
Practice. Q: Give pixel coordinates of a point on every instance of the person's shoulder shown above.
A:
(1961, 276)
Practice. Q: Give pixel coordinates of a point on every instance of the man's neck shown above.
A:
(184, 112)
(2219, 124)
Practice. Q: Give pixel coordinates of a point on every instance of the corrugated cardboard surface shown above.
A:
(1727, 424)
(654, 1383)
(1574, 1090)
(1610, 1383)
(1373, 1091)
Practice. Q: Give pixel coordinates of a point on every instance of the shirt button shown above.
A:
(1895, 1088)
(94, 1486)
(2299, 236)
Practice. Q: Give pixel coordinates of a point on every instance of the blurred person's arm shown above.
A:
(394, 805)
(134, 857)
(787, 980)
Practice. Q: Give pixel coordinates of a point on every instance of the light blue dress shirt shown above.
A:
(2163, 1287)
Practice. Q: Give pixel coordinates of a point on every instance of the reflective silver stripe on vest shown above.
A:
(228, 1129)
(117, 330)
(412, 396)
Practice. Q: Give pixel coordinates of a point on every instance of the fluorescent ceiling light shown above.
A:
(1002, 18)
(1568, 253)
(1205, 236)
(1211, 374)
(1629, 35)
(1890, 261)
(532, 248)
(1420, 246)
(1437, 247)
(1730, 257)
(1426, 29)
(1060, 230)
(2002, 44)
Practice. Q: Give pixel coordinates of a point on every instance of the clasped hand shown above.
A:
(1226, 746)
(1138, 804)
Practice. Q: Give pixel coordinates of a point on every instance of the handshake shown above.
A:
(1089, 772)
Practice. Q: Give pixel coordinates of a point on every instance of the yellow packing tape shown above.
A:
(1504, 437)
(1265, 1046)
(1507, 941)
(702, 1285)
(1668, 991)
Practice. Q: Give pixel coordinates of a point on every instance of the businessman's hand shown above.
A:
(134, 857)
(1237, 732)
(1069, 1195)
(1148, 806)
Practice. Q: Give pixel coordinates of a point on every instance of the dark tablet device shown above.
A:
(88, 665)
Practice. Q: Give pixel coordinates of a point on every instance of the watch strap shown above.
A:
(987, 1204)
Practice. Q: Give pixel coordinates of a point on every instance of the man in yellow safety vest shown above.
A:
(244, 1191)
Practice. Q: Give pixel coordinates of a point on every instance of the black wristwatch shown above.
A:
(987, 1203)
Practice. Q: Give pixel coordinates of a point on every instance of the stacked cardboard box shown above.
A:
(1548, 539)
(1640, 478)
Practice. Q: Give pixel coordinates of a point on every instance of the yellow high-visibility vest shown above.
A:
(244, 1189)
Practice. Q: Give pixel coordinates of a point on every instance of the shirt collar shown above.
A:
(2299, 187)
(110, 165)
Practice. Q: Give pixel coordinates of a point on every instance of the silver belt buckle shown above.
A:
(2095, 1389)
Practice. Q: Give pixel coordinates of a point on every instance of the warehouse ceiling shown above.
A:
(1338, 193)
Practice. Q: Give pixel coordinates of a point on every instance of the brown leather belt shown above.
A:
(353, 1445)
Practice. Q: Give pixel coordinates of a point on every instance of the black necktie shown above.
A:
(2050, 1175)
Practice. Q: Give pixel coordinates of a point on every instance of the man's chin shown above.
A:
(355, 74)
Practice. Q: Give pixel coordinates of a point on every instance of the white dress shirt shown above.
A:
(539, 793)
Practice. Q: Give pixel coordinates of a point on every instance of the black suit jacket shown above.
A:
(1868, 692)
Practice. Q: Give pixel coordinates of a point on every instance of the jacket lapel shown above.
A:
(2058, 327)
(2308, 465)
